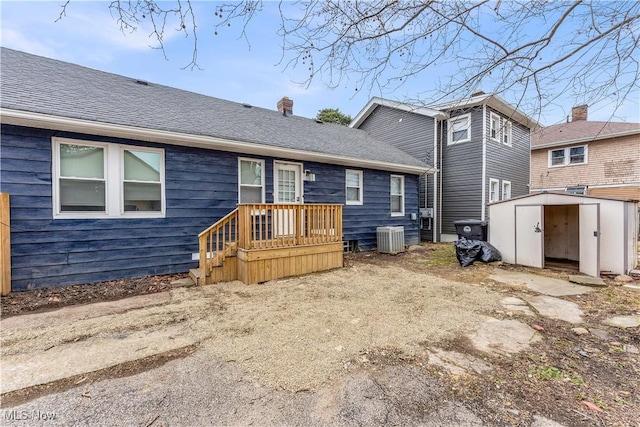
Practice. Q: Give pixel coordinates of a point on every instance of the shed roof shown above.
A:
(580, 131)
(553, 194)
(54, 94)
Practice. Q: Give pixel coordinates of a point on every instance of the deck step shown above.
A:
(195, 274)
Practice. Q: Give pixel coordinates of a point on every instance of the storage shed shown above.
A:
(593, 234)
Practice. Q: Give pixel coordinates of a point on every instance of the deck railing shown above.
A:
(218, 242)
(268, 226)
(265, 226)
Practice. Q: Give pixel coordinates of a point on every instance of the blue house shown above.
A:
(111, 177)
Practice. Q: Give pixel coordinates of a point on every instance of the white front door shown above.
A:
(590, 239)
(529, 236)
(287, 182)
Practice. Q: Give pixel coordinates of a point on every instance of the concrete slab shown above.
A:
(18, 372)
(623, 321)
(634, 288)
(75, 313)
(503, 336)
(556, 308)
(587, 280)
(541, 284)
(458, 363)
(516, 304)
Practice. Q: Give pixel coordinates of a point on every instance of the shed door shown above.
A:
(529, 236)
(590, 239)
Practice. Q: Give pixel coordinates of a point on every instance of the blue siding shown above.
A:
(201, 187)
(360, 221)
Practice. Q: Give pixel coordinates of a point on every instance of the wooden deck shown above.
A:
(259, 242)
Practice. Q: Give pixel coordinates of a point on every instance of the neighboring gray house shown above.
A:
(479, 146)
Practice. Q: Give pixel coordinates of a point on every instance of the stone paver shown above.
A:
(540, 284)
(516, 304)
(458, 363)
(556, 308)
(503, 336)
(623, 321)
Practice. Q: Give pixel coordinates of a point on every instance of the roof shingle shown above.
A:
(41, 85)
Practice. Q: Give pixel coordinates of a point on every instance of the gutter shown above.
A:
(586, 139)
(44, 121)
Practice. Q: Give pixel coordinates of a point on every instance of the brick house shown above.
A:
(587, 157)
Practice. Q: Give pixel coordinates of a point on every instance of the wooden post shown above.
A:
(5, 245)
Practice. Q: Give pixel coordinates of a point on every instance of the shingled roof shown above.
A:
(56, 93)
(580, 131)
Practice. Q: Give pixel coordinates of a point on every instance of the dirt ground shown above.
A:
(381, 313)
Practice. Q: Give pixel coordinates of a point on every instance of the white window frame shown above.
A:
(401, 212)
(495, 133)
(566, 161)
(262, 177)
(507, 133)
(113, 178)
(450, 124)
(494, 192)
(579, 190)
(506, 190)
(360, 187)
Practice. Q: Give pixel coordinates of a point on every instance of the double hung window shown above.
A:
(251, 180)
(353, 187)
(459, 129)
(397, 195)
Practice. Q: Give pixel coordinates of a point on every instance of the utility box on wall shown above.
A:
(390, 239)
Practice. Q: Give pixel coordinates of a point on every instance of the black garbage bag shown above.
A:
(489, 252)
(468, 251)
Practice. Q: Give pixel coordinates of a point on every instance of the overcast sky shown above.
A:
(231, 68)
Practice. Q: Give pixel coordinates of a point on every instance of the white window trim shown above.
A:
(497, 192)
(578, 190)
(450, 129)
(113, 177)
(402, 194)
(506, 184)
(498, 132)
(507, 131)
(567, 156)
(360, 200)
(262, 177)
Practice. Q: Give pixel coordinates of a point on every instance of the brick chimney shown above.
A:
(579, 112)
(285, 106)
(478, 93)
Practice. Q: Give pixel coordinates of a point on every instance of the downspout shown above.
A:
(436, 217)
(440, 206)
(484, 160)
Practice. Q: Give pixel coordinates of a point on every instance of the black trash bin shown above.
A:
(472, 229)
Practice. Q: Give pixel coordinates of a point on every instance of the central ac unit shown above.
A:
(390, 239)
